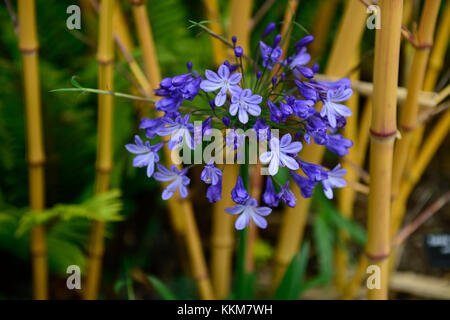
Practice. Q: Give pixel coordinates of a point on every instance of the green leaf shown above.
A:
(355, 231)
(103, 207)
(291, 284)
(162, 289)
(323, 237)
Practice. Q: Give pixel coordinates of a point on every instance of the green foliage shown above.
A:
(161, 288)
(292, 282)
(103, 207)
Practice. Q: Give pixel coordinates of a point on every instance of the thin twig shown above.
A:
(13, 16)
(261, 13)
(420, 220)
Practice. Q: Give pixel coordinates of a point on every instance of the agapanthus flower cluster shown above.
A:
(274, 95)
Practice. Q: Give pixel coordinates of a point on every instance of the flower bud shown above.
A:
(238, 52)
(276, 40)
(270, 27)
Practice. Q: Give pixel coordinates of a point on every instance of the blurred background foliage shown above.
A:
(141, 242)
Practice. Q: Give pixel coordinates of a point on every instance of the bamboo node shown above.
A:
(103, 169)
(201, 277)
(383, 137)
(405, 128)
(104, 62)
(138, 2)
(378, 257)
(29, 51)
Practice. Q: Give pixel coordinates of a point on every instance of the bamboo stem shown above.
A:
(222, 228)
(212, 14)
(28, 45)
(105, 58)
(321, 29)
(383, 132)
(294, 219)
(181, 211)
(347, 195)
(222, 235)
(434, 67)
(286, 30)
(408, 115)
(145, 37)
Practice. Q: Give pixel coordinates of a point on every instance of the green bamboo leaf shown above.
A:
(291, 284)
(323, 239)
(162, 289)
(355, 231)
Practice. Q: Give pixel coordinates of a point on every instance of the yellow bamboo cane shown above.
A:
(294, 219)
(434, 67)
(286, 29)
(222, 240)
(408, 115)
(383, 131)
(321, 29)
(346, 196)
(212, 14)
(105, 58)
(28, 45)
(181, 211)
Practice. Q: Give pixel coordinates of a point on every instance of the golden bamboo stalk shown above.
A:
(105, 58)
(408, 115)
(364, 132)
(145, 37)
(212, 14)
(222, 239)
(28, 45)
(433, 141)
(383, 132)
(121, 28)
(180, 210)
(222, 229)
(286, 29)
(321, 29)
(241, 11)
(294, 219)
(435, 64)
(347, 195)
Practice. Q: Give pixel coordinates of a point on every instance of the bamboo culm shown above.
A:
(383, 132)
(28, 45)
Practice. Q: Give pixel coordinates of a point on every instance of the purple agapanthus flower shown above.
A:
(314, 172)
(334, 180)
(214, 191)
(262, 129)
(332, 109)
(244, 102)
(233, 139)
(239, 194)
(301, 58)
(270, 56)
(175, 90)
(223, 81)
(270, 196)
(146, 154)
(305, 185)
(211, 174)
(178, 178)
(317, 129)
(286, 195)
(179, 130)
(249, 210)
(151, 126)
(339, 144)
(282, 153)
